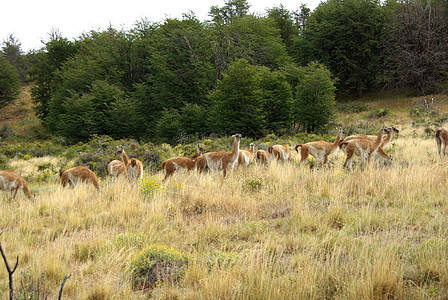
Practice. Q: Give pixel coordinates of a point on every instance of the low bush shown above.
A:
(157, 264)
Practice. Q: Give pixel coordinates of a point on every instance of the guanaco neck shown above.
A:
(196, 155)
(379, 139)
(236, 148)
(27, 191)
(252, 149)
(337, 140)
(125, 158)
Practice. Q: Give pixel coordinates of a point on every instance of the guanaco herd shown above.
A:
(362, 145)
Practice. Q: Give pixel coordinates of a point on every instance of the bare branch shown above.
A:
(62, 286)
(10, 272)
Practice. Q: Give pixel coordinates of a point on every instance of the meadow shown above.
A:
(281, 231)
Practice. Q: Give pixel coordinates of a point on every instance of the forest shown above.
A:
(277, 71)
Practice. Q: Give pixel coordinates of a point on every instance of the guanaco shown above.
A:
(441, 137)
(319, 149)
(182, 163)
(362, 147)
(222, 160)
(245, 157)
(262, 156)
(386, 140)
(78, 174)
(134, 167)
(280, 152)
(12, 182)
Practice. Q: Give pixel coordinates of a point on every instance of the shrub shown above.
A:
(157, 264)
(377, 113)
(149, 185)
(6, 131)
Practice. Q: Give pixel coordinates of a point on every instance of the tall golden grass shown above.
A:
(298, 233)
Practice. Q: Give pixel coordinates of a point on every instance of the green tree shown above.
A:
(180, 69)
(315, 97)
(12, 51)
(345, 35)
(232, 9)
(278, 100)
(9, 82)
(193, 119)
(85, 114)
(45, 71)
(285, 23)
(237, 104)
(168, 125)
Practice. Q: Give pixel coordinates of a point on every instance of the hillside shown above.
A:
(282, 231)
(20, 117)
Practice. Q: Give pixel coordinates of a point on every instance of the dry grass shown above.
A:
(298, 233)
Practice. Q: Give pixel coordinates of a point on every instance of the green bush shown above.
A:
(315, 98)
(377, 113)
(157, 264)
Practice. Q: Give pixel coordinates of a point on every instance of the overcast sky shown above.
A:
(31, 21)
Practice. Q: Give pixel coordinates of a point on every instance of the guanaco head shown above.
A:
(237, 136)
(120, 150)
(393, 129)
(341, 132)
(200, 149)
(133, 162)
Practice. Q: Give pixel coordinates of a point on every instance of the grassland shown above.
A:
(295, 232)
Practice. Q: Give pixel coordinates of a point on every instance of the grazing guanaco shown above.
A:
(182, 163)
(441, 137)
(222, 160)
(386, 140)
(12, 182)
(245, 157)
(134, 167)
(78, 174)
(320, 149)
(262, 156)
(281, 152)
(362, 147)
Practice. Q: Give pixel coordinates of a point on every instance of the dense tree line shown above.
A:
(236, 72)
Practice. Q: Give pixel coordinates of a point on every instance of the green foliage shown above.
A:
(6, 131)
(285, 23)
(45, 71)
(157, 264)
(9, 82)
(278, 100)
(379, 112)
(12, 51)
(345, 35)
(168, 126)
(237, 102)
(232, 10)
(254, 184)
(315, 97)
